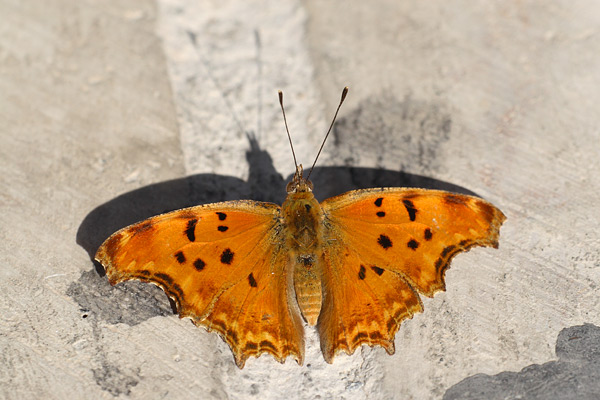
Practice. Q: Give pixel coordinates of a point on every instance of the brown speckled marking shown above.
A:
(145, 272)
(391, 324)
(359, 336)
(164, 277)
(384, 241)
(172, 289)
(410, 208)
(175, 291)
(487, 209)
(232, 336)
(375, 335)
(398, 314)
(141, 228)
(190, 229)
(222, 327)
(438, 264)
(220, 324)
(227, 256)
(180, 257)
(250, 346)
(454, 199)
(186, 214)
(265, 344)
(111, 245)
(447, 250)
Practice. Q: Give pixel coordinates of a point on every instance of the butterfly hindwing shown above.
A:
(362, 303)
(384, 247)
(224, 266)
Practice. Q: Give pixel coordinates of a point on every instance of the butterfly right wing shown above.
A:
(224, 265)
(384, 246)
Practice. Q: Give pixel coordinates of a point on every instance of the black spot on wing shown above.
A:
(381, 214)
(412, 244)
(384, 241)
(410, 207)
(222, 216)
(190, 229)
(180, 257)
(377, 270)
(251, 280)
(199, 264)
(427, 234)
(379, 201)
(222, 228)
(361, 272)
(227, 256)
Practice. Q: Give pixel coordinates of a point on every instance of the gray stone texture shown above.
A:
(116, 111)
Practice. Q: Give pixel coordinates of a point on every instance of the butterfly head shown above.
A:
(299, 183)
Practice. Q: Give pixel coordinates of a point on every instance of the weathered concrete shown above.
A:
(115, 112)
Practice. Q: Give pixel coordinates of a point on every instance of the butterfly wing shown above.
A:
(384, 247)
(224, 266)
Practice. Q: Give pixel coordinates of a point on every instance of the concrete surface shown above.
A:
(113, 112)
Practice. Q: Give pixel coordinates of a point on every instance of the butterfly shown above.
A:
(353, 265)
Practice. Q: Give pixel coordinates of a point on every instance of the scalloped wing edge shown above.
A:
(240, 355)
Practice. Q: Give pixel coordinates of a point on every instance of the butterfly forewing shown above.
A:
(383, 246)
(224, 266)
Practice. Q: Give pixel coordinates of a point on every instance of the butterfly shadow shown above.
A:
(264, 184)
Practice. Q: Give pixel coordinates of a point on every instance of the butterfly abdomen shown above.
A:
(304, 224)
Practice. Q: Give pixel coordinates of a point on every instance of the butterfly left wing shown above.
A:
(383, 247)
(224, 266)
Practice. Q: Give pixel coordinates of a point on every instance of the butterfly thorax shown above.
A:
(304, 234)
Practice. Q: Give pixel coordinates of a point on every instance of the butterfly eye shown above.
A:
(291, 187)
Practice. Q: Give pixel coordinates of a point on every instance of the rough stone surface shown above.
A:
(116, 111)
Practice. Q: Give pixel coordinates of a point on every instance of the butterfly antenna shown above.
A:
(344, 93)
(286, 127)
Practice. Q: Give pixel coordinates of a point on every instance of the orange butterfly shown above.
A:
(353, 265)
